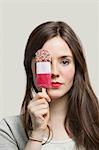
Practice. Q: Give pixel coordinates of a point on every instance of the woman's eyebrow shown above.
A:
(66, 56)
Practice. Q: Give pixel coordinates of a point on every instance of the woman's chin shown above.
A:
(54, 95)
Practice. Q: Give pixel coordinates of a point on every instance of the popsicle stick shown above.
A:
(43, 90)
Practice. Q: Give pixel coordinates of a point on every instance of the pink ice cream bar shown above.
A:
(43, 69)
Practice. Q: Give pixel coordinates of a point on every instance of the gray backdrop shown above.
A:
(18, 18)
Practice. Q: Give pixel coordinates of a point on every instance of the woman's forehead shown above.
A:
(57, 47)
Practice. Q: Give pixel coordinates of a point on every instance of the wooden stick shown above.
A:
(43, 90)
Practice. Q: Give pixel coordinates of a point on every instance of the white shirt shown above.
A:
(59, 145)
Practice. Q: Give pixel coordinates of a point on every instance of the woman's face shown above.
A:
(62, 67)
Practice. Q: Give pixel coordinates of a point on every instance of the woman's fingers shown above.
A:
(41, 112)
(38, 109)
(37, 103)
(42, 95)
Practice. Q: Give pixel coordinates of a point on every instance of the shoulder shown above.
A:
(12, 123)
(11, 129)
(11, 120)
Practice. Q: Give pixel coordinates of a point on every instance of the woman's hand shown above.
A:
(39, 111)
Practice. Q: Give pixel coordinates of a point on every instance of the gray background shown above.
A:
(18, 18)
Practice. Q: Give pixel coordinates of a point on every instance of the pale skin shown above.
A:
(63, 71)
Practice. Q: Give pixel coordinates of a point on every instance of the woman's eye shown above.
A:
(65, 62)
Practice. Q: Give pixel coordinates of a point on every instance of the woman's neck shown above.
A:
(58, 110)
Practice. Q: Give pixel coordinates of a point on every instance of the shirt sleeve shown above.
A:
(7, 141)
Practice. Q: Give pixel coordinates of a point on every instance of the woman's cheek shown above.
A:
(69, 74)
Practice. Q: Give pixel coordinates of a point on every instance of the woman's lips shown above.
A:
(56, 84)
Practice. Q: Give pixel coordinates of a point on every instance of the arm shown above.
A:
(35, 145)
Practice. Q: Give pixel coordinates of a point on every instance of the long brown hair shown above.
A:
(83, 107)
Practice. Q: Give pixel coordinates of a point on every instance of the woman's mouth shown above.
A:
(56, 84)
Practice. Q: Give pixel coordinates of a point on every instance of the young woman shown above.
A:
(64, 116)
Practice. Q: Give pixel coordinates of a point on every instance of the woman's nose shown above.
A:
(54, 70)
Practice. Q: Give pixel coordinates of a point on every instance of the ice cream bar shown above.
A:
(43, 68)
